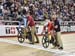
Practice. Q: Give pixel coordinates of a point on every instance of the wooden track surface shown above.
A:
(16, 50)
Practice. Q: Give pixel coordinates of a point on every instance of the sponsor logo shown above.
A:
(10, 30)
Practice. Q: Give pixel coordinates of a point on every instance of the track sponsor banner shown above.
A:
(10, 30)
(68, 28)
(39, 29)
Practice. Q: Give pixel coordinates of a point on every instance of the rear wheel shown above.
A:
(53, 41)
(21, 39)
(21, 36)
(45, 41)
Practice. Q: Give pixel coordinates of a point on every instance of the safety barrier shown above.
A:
(10, 30)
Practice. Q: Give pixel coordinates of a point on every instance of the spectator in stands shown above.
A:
(39, 8)
(8, 3)
(40, 14)
(1, 12)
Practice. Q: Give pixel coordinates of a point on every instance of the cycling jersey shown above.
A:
(25, 21)
(49, 25)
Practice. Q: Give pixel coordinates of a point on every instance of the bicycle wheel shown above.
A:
(29, 36)
(45, 41)
(21, 39)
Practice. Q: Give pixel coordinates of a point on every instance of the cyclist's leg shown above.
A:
(53, 34)
(49, 35)
(53, 38)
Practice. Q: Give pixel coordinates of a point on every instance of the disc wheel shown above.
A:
(45, 41)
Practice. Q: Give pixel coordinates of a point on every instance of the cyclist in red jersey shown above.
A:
(50, 26)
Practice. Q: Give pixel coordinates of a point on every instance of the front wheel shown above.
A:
(45, 41)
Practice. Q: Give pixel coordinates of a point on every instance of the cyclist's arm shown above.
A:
(45, 25)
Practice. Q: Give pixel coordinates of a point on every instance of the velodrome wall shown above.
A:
(11, 30)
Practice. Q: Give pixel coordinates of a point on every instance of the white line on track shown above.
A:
(55, 51)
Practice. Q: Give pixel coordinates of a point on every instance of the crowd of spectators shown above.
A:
(40, 9)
